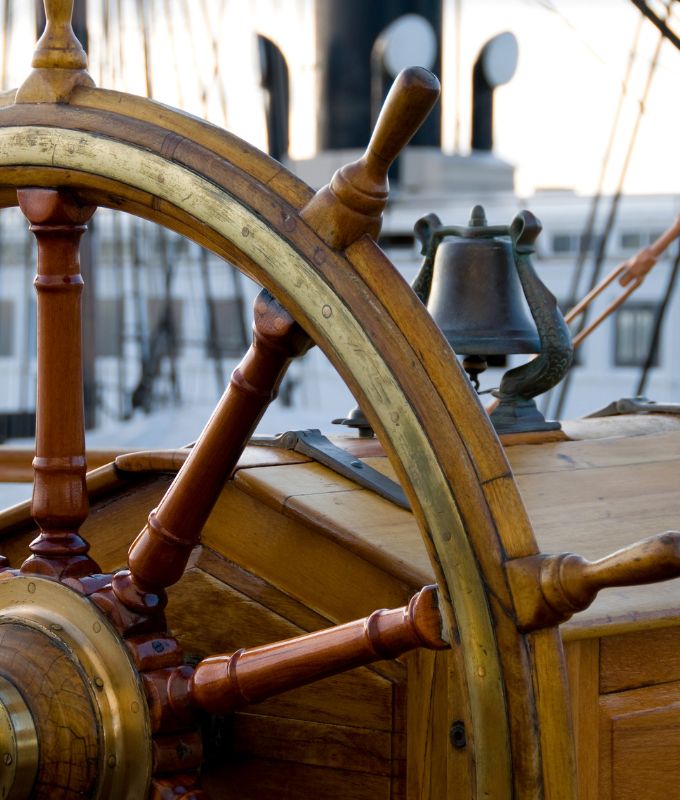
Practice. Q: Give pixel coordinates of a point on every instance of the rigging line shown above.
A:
(141, 333)
(458, 72)
(658, 325)
(103, 60)
(666, 32)
(176, 60)
(604, 241)
(215, 46)
(587, 236)
(143, 15)
(7, 24)
(166, 254)
(214, 346)
(197, 71)
(120, 73)
(237, 284)
(29, 340)
(548, 5)
(120, 262)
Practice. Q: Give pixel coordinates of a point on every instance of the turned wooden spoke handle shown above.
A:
(222, 683)
(351, 205)
(410, 99)
(549, 589)
(159, 554)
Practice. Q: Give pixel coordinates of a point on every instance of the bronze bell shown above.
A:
(472, 281)
(475, 295)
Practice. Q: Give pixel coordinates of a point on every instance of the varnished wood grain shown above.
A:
(63, 713)
(255, 778)
(639, 741)
(287, 554)
(439, 514)
(427, 721)
(16, 463)
(120, 509)
(549, 589)
(583, 669)
(335, 505)
(351, 205)
(316, 744)
(639, 659)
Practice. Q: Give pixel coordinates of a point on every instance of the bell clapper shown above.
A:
(474, 366)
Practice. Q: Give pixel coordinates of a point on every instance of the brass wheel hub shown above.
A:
(18, 744)
(73, 718)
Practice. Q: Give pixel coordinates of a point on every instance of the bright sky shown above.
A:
(553, 120)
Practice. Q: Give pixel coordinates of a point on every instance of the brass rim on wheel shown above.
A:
(207, 185)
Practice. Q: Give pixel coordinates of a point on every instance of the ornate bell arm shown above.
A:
(548, 590)
(549, 367)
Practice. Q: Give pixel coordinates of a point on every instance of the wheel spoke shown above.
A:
(221, 684)
(159, 555)
(60, 504)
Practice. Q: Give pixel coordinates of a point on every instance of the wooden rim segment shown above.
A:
(221, 193)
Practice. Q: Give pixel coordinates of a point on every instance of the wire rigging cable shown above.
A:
(661, 24)
(587, 236)
(658, 326)
(611, 219)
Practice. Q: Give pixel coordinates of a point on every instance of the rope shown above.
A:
(611, 219)
(658, 325)
(587, 235)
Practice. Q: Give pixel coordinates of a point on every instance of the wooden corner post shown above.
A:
(60, 503)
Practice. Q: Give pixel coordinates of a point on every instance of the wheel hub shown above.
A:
(73, 718)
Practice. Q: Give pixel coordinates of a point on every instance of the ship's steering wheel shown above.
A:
(315, 254)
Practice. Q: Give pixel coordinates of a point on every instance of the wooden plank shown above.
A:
(316, 744)
(594, 454)
(16, 463)
(367, 525)
(276, 485)
(259, 590)
(639, 744)
(557, 738)
(532, 437)
(258, 778)
(597, 511)
(284, 605)
(639, 659)
(427, 722)
(228, 620)
(582, 659)
(620, 425)
(314, 569)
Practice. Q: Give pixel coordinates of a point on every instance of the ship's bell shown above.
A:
(476, 298)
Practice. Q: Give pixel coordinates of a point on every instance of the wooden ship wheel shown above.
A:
(96, 700)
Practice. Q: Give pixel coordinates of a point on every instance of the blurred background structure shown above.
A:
(565, 108)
